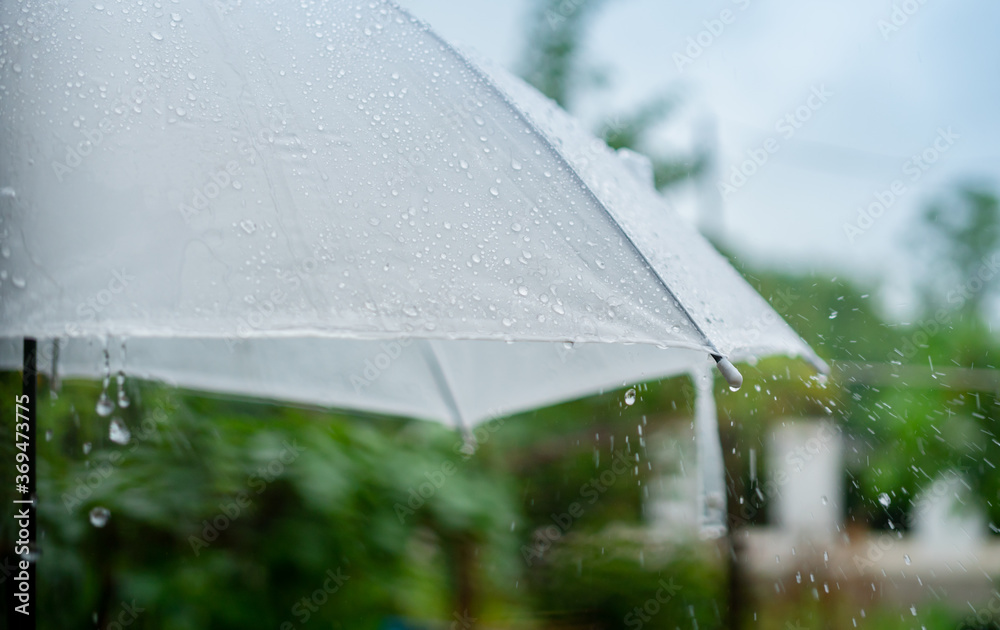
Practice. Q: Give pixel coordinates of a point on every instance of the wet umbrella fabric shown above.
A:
(244, 191)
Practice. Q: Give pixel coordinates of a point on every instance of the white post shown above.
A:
(806, 482)
(711, 465)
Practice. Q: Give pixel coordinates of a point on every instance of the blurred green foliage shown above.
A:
(225, 514)
(240, 514)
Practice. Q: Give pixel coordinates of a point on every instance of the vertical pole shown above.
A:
(711, 463)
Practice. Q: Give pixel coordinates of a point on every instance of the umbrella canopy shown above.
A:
(237, 189)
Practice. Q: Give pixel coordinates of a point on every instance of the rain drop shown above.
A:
(123, 400)
(630, 397)
(884, 499)
(156, 35)
(99, 516)
(86, 448)
(118, 432)
(104, 404)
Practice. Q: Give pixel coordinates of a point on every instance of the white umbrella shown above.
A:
(328, 171)
(326, 203)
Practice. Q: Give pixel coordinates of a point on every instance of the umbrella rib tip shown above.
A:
(729, 372)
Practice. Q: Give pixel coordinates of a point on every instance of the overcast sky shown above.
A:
(884, 91)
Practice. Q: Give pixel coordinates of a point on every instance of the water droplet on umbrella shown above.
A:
(99, 516)
(118, 432)
(514, 164)
(19, 282)
(630, 397)
(8, 192)
(494, 191)
(156, 35)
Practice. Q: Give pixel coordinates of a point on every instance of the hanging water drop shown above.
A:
(104, 404)
(118, 432)
(123, 400)
(99, 516)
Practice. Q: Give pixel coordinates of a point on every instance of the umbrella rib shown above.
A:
(478, 72)
(444, 385)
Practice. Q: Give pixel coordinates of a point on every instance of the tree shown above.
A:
(961, 231)
(551, 61)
